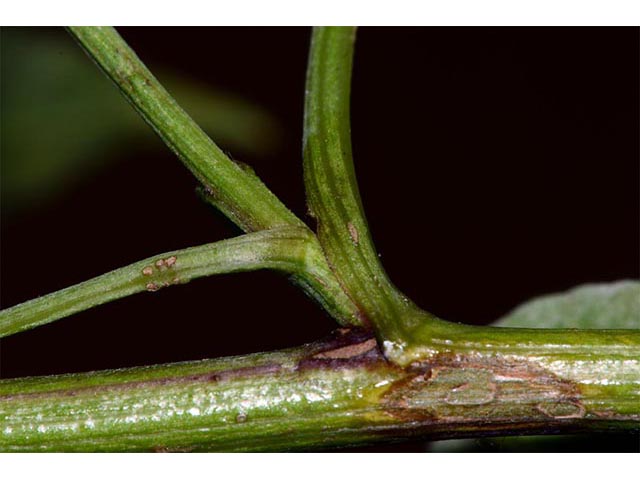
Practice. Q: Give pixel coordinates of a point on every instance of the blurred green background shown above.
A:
(52, 140)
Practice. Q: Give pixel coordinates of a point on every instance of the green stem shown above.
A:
(332, 189)
(340, 391)
(240, 195)
(232, 187)
(445, 380)
(407, 333)
(290, 249)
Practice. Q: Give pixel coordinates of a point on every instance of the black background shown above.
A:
(495, 164)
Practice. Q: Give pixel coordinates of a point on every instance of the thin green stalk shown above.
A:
(290, 249)
(340, 391)
(240, 195)
(332, 189)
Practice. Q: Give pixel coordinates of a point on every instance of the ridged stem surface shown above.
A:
(340, 391)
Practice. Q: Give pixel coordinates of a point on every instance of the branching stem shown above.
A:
(292, 250)
(422, 376)
(332, 189)
(233, 188)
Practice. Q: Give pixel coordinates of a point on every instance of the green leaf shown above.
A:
(598, 306)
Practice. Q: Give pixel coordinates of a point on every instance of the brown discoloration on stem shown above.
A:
(349, 351)
(372, 359)
(171, 261)
(231, 374)
(161, 269)
(341, 339)
(165, 263)
(353, 232)
(346, 348)
(320, 280)
(451, 396)
(261, 370)
(467, 394)
(471, 389)
(563, 410)
(208, 377)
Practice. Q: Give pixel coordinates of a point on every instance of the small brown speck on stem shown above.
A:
(354, 233)
(171, 261)
(147, 271)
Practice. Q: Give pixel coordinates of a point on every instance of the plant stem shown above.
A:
(230, 186)
(340, 391)
(332, 189)
(431, 378)
(407, 333)
(290, 249)
(240, 195)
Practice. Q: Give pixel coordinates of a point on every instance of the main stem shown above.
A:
(338, 391)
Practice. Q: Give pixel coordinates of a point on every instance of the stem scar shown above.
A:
(349, 351)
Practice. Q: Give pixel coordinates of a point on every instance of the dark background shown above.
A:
(495, 164)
